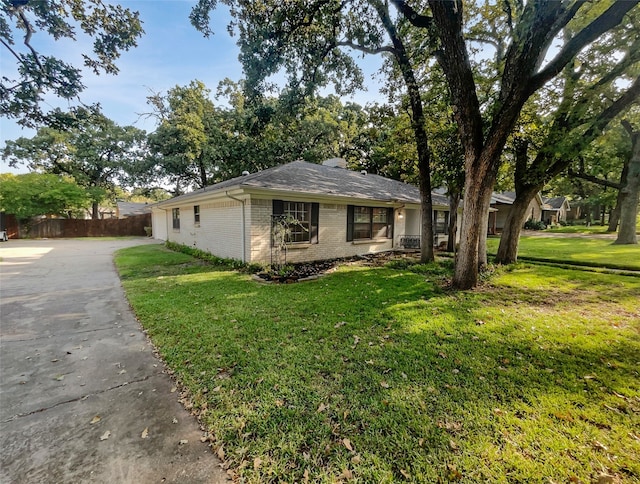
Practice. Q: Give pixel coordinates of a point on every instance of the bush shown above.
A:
(535, 225)
(214, 259)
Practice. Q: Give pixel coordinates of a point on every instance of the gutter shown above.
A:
(242, 228)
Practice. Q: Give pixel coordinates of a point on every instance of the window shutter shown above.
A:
(315, 215)
(278, 207)
(349, 223)
(390, 217)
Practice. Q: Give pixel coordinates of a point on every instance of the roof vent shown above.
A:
(363, 172)
(335, 162)
(245, 173)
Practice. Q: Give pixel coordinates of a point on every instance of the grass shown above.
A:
(378, 374)
(577, 250)
(578, 229)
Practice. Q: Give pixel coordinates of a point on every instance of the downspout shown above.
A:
(243, 229)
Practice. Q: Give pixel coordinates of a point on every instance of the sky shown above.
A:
(171, 52)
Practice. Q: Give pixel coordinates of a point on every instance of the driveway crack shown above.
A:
(80, 398)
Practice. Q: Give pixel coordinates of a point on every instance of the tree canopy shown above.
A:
(33, 194)
(111, 27)
(95, 151)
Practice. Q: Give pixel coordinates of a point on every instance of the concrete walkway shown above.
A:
(82, 396)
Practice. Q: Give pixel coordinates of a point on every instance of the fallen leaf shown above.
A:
(420, 442)
(346, 474)
(347, 444)
(442, 355)
(257, 462)
(589, 377)
(279, 403)
(369, 362)
(306, 475)
(183, 442)
(174, 389)
(122, 372)
(59, 377)
(600, 446)
(479, 322)
(321, 408)
(384, 384)
(106, 435)
(454, 473)
(95, 419)
(605, 479)
(356, 459)
(54, 360)
(405, 474)
(497, 411)
(175, 420)
(453, 445)
(341, 323)
(145, 433)
(220, 453)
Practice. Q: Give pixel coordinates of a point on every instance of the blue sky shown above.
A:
(170, 53)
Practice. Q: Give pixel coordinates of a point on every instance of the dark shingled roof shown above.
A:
(555, 203)
(313, 179)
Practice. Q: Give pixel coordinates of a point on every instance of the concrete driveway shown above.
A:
(82, 396)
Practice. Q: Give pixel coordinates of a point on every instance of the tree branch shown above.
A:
(416, 19)
(366, 50)
(593, 179)
(605, 22)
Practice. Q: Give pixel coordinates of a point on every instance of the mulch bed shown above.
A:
(312, 270)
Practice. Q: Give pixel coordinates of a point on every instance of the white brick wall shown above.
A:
(159, 223)
(332, 236)
(219, 231)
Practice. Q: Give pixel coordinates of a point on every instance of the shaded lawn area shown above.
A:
(601, 252)
(377, 374)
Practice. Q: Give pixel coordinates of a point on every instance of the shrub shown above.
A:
(534, 225)
(214, 259)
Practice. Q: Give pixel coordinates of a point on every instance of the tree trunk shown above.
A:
(477, 197)
(418, 123)
(482, 238)
(95, 212)
(454, 202)
(517, 216)
(614, 215)
(630, 193)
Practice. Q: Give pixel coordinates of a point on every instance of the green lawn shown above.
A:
(581, 250)
(379, 374)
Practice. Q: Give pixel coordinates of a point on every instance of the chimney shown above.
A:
(335, 162)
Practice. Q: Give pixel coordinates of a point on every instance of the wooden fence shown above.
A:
(63, 228)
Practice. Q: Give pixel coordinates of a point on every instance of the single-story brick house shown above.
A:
(555, 210)
(341, 213)
(501, 206)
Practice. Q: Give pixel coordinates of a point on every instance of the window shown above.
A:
(306, 216)
(369, 223)
(176, 218)
(196, 214)
(440, 222)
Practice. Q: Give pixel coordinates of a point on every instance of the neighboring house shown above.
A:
(130, 209)
(341, 213)
(555, 210)
(501, 203)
